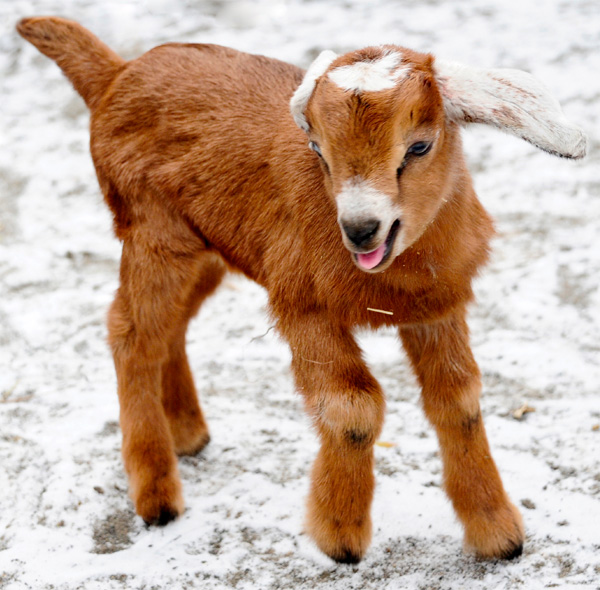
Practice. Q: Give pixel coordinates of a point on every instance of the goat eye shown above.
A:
(315, 148)
(420, 148)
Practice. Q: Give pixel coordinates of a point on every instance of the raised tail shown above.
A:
(86, 61)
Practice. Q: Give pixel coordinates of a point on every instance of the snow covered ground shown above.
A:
(65, 519)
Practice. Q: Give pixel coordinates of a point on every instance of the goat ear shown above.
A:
(511, 100)
(304, 91)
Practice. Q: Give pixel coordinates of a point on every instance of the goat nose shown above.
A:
(361, 233)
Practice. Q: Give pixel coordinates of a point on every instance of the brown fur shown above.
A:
(204, 169)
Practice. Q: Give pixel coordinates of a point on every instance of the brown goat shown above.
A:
(205, 169)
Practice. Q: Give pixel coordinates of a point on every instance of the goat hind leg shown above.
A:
(157, 277)
(179, 398)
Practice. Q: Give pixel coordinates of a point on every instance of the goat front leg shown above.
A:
(347, 407)
(450, 381)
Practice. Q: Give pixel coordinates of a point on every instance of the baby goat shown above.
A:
(357, 202)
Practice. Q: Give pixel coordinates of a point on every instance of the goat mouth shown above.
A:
(372, 260)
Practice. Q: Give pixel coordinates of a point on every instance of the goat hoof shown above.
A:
(513, 552)
(347, 556)
(160, 502)
(193, 445)
(190, 432)
(165, 516)
(344, 543)
(498, 537)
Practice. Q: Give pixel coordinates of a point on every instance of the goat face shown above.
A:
(376, 120)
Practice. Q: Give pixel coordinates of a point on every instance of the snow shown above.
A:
(65, 519)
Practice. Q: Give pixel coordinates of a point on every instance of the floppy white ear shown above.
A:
(511, 100)
(304, 91)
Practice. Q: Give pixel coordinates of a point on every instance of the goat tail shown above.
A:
(90, 65)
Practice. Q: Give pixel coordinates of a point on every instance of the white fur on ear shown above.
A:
(511, 100)
(304, 91)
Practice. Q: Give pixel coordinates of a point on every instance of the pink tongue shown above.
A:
(372, 259)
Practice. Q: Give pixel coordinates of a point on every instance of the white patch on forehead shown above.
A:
(371, 76)
(359, 200)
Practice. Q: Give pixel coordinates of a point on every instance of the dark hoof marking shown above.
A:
(165, 517)
(347, 556)
(513, 552)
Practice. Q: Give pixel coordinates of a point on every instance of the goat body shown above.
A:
(205, 169)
